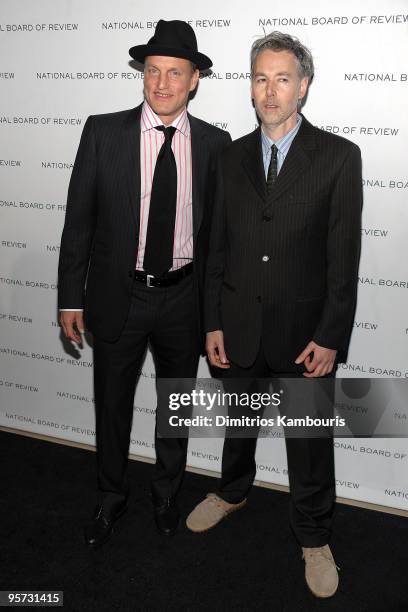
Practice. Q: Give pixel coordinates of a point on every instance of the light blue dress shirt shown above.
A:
(283, 145)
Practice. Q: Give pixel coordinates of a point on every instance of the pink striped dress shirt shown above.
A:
(151, 141)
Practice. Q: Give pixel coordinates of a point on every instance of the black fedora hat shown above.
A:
(172, 39)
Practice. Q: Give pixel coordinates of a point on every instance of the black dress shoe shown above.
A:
(100, 529)
(166, 515)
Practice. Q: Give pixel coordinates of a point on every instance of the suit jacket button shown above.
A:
(265, 258)
(258, 298)
(266, 218)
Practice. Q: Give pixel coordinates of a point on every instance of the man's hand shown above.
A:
(322, 362)
(72, 322)
(215, 349)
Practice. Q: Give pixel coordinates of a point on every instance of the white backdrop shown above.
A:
(62, 61)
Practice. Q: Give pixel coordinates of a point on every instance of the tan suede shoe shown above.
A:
(320, 571)
(210, 512)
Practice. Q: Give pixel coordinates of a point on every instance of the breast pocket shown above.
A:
(318, 201)
(308, 195)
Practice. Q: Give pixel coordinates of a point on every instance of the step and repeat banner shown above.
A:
(61, 62)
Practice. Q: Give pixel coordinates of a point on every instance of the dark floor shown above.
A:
(249, 562)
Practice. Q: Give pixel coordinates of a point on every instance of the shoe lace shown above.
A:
(217, 501)
(319, 552)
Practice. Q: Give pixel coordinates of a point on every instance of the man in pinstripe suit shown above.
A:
(281, 283)
(132, 256)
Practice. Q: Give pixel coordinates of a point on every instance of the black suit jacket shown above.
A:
(285, 270)
(101, 232)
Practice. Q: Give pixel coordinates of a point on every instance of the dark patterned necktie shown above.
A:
(272, 170)
(158, 257)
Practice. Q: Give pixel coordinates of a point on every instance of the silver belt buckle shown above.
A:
(149, 278)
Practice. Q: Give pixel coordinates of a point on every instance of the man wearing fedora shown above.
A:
(132, 257)
(281, 285)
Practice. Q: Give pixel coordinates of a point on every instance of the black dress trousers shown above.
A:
(165, 319)
(310, 459)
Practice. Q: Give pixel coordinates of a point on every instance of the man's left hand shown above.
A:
(322, 362)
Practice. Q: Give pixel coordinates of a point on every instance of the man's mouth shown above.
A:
(162, 95)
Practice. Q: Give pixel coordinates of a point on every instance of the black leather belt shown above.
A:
(168, 279)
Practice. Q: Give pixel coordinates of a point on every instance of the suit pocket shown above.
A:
(300, 202)
(228, 286)
(310, 299)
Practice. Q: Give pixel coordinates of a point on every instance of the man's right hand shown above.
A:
(215, 349)
(72, 322)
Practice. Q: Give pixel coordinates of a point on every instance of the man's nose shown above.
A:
(163, 81)
(270, 89)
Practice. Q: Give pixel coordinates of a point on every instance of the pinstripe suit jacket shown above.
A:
(101, 232)
(284, 270)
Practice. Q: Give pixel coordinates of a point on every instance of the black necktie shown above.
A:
(158, 257)
(272, 170)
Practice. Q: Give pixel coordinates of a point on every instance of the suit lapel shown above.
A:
(131, 160)
(198, 151)
(253, 162)
(297, 161)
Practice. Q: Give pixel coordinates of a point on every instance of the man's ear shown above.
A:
(194, 79)
(304, 84)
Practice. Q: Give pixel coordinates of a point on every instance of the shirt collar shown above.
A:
(287, 138)
(150, 120)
